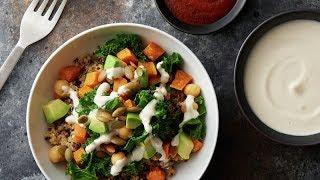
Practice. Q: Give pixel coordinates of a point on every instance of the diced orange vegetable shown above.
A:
(78, 154)
(197, 145)
(154, 80)
(153, 51)
(84, 90)
(156, 174)
(70, 73)
(119, 82)
(127, 56)
(129, 103)
(181, 79)
(151, 68)
(80, 134)
(91, 79)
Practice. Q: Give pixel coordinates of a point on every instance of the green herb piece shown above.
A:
(143, 97)
(86, 103)
(94, 167)
(139, 135)
(134, 168)
(165, 125)
(122, 41)
(172, 62)
(113, 104)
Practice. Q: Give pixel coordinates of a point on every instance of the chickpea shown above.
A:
(195, 106)
(68, 155)
(117, 156)
(192, 89)
(118, 141)
(124, 133)
(61, 88)
(57, 154)
(129, 72)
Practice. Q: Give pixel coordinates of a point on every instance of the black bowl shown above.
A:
(247, 46)
(199, 29)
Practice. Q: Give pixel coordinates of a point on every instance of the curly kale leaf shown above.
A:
(94, 167)
(143, 97)
(172, 62)
(113, 104)
(134, 168)
(86, 103)
(120, 42)
(165, 125)
(139, 135)
(196, 128)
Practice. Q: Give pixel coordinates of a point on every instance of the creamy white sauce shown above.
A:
(164, 75)
(73, 118)
(137, 153)
(123, 90)
(100, 99)
(190, 112)
(146, 114)
(118, 166)
(157, 144)
(104, 138)
(160, 92)
(281, 78)
(175, 140)
(113, 73)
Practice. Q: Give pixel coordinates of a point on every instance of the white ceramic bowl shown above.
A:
(87, 42)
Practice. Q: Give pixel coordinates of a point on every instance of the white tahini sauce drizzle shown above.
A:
(190, 112)
(164, 75)
(100, 100)
(157, 144)
(137, 153)
(104, 138)
(146, 114)
(116, 72)
(175, 140)
(123, 90)
(117, 167)
(73, 118)
(160, 92)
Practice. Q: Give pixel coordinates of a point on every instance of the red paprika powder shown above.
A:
(199, 12)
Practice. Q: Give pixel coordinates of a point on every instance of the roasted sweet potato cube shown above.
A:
(154, 80)
(127, 56)
(78, 154)
(84, 90)
(153, 51)
(119, 82)
(181, 79)
(151, 68)
(92, 79)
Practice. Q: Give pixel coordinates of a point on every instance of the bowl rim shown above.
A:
(200, 29)
(79, 35)
(246, 47)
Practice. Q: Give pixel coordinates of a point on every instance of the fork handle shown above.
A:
(9, 63)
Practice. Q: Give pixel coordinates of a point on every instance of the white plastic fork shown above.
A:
(34, 26)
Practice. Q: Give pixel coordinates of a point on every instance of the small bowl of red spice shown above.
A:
(199, 16)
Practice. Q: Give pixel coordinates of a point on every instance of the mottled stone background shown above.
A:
(241, 153)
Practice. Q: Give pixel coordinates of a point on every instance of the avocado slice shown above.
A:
(55, 110)
(96, 125)
(142, 77)
(112, 62)
(149, 149)
(185, 146)
(133, 120)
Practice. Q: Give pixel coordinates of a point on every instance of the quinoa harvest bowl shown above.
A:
(122, 101)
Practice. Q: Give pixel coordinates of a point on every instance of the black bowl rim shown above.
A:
(200, 29)
(253, 37)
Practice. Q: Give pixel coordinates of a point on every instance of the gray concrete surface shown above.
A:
(241, 153)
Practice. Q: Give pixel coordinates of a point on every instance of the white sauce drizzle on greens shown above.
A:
(164, 74)
(73, 118)
(146, 114)
(118, 166)
(113, 73)
(104, 138)
(157, 144)
(190, 112)
(100, 99)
